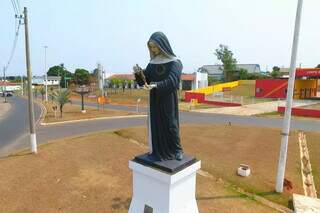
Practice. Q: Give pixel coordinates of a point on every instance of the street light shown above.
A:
(45, 69)
(5, 85)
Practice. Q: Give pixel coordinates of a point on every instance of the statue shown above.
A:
(162, 78)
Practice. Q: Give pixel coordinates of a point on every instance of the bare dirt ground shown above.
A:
(313, 106)
(73, 112)
(90, 173)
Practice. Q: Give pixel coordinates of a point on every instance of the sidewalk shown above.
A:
(254, 109)
(4, 108)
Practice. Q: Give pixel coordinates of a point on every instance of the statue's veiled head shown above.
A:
(158, 44)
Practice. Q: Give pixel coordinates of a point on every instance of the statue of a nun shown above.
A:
(162, 78)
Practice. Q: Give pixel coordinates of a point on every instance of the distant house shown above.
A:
(216, 71)
(194, 81)
(9, 86)
(188, 81)
(51, 80)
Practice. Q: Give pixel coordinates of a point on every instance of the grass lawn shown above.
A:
(90, 174)
(278, 115)
(130, 97)
(73, 112)
(222, 148)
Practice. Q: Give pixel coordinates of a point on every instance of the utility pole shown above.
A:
(33, 137)
(5, 85)
(103, 80)
(45, 69)
(22, 88)
(287, 116)
(100, 83)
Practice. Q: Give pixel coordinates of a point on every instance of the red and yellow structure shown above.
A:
(200, 94)
(306, 85)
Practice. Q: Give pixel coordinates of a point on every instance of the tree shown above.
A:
(42, 92)
(60, 70)
(243, 74)
(275, 68)
(275, 72)
(61, 98)
(229, 62)
(211, 80)
(318, 66)
(81, 76)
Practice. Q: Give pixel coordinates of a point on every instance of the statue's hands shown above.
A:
(136, 69)
(150, 86)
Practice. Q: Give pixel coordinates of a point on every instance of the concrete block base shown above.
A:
(155, 191)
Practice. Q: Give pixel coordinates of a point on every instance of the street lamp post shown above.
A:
(5, 85)
(287, 116)
(45, 69)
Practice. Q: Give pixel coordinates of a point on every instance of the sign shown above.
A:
(102, 100)
(304, 72)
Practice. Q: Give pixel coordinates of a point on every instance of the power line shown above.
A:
(16, 12)
(15, 6)
(14, 45)
(18, 4)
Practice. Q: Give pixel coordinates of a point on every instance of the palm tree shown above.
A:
(42, 92)
(61, 98)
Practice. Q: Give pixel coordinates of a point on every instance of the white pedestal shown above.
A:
(155, 191)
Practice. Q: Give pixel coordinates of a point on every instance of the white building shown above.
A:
(51, 80)
(194, 81)
(9, 86)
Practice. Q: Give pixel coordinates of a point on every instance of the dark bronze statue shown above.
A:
(162, 78)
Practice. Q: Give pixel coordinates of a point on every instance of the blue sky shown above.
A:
(81, 33)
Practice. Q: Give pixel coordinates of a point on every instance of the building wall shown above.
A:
(201, 80)
(271, 88)
(305, 88)
(11, 88)
(277, 88)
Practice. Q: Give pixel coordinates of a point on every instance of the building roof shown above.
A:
(50, 78)
(217, 69)
(122, 76)
(188, 77)
(2, 83)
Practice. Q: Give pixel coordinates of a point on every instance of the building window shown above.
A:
(259, 90)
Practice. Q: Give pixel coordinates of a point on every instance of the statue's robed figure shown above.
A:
(162, 75)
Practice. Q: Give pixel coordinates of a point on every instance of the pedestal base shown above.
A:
(157, 191)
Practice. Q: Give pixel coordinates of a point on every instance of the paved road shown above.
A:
(195, 117)
(15, 126)
(48, 133)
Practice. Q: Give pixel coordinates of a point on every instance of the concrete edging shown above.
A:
(92, 119)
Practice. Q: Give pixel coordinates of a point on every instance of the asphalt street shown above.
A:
(14, 128)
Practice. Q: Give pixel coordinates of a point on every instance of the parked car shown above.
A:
(7, 93)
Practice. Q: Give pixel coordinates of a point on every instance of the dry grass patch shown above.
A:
(90, 174)
(222, 148)
(127, 97)
(73, 112)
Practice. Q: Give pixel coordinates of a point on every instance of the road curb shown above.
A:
(92, 119)
(42, 114)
